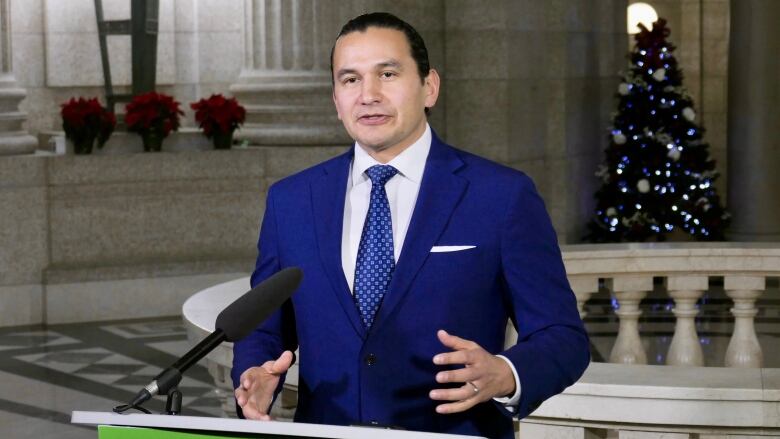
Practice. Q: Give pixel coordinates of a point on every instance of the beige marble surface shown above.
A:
(87, 221)
(73, 53)
(21, 304)
(666, 258)
(122, 299)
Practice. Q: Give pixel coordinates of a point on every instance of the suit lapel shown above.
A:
(328, 192)
(440, 191)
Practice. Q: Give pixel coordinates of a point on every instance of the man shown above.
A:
(414, 255)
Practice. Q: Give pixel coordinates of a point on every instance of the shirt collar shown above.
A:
(410, 162)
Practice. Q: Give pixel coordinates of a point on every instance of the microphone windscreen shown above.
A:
(254, 307)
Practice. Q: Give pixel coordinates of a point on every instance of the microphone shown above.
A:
(233, 323)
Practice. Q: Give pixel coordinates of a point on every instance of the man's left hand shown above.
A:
(484, 376)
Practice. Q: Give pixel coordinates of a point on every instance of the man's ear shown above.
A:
(431, 85)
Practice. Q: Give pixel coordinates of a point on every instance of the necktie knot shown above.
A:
(380, 174)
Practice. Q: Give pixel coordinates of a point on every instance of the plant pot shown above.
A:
(222, 140)
(152, 141)
(84, 146)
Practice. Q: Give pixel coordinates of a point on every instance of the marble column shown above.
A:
(286, 82)
(744, 350)
(685, 349)
(13, 138)
(629, 290)
(753, 118)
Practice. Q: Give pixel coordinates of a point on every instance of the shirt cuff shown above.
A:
(515, 398)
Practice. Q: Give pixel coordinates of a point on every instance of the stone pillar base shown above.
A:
(13, 139)
(17, 143)
(290, 108)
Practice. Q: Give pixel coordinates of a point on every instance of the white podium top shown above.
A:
(200, 314)
(247, 426)
(201, 309)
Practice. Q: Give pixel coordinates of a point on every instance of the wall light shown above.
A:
(640, 13)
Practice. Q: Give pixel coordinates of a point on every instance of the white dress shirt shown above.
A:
(402, 190)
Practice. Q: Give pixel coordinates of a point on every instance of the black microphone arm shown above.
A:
(235, 322)
(171, 376)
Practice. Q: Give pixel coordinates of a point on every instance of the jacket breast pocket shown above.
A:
(454, 265)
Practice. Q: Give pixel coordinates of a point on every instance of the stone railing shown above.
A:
(628, 271)
(683, 399)
(629, 399)
(662, 402)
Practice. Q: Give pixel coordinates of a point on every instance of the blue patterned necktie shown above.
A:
(375, 259)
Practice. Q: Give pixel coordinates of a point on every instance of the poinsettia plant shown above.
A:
(85, 121)
(153, 115)
(219, 117)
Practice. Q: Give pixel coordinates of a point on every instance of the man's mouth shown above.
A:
(373, 119)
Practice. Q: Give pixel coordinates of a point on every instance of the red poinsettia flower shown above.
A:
(107, 125)
(85, 120)
(153, 111)
(218, 115)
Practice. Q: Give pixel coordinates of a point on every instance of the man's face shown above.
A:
(377, 90)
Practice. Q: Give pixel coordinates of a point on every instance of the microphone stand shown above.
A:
(168, 380)
(173, 404)
(233, 323)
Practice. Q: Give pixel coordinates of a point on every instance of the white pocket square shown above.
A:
(450, 248)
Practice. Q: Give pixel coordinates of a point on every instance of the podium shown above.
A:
(140, 426)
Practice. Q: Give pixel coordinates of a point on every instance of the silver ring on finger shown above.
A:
(476, 389)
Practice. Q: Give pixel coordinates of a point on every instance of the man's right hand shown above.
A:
(256, 391)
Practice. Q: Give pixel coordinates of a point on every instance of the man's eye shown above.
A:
(388, 74)
(350, 80)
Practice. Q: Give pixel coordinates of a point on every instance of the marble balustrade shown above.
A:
(625, 399)
(632, 400)
(628, 270)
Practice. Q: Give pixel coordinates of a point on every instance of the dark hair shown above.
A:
(388, 21)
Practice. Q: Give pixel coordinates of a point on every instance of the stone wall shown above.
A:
(530, 84)
(24, 251)
(122, 236)
(56, 52)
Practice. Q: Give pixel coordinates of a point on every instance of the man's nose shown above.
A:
(371, 91)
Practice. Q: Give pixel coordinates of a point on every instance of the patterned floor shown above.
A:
(45, 373)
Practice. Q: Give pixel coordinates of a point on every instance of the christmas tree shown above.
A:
(658, 174)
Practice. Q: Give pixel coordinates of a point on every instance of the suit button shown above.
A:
(370, 359)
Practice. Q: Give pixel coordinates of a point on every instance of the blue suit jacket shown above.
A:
(352, 375)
